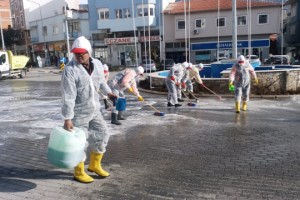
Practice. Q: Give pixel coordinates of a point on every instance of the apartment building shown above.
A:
(199, 30)
(125, 33)
(292, 28)
(5, 18)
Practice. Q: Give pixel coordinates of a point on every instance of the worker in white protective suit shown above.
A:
(183, 77)
(80, 83)
(39, 60)
(173, 83)
(194, 74)
(126, 79)
(106, 76)
(240, 76)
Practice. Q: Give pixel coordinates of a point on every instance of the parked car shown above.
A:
(254, 60)
(220, 59)
(276, 59)
(166, 64)
(149, 64)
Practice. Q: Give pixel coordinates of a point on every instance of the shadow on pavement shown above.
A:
(12, 178)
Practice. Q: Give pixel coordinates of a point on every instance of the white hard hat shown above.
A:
(185, 64)
(105, 67)
(139, 70)
(241, 58)
(190, 64)
(81, 45)
(200, 65)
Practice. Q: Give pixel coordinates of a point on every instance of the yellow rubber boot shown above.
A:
(80, 175)
(244, 106)
(95, 164)
(237, 107)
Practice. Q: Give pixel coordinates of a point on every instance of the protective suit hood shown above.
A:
(81, 45)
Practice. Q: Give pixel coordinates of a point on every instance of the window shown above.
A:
(169, 45)
(145, 10)
(118, 13)
(2, 59)
(151, 11)
(241, 20)
(127, 13)
(22, 20)
(221, 22)
(263, 19)
(55, 30)
(103, 13)
(44, 30)
(199, 23)
(180, 24)
(20, 5)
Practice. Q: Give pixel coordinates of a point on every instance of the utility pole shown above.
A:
(234, 30)
(67, 32)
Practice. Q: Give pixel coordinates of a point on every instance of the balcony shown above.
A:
(126, 24)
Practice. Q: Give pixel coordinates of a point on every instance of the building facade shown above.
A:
(201, 31)
(5, 19)
(292, 28)
(125, 33)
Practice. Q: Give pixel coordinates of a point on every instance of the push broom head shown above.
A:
(192, 104)
(159, 114)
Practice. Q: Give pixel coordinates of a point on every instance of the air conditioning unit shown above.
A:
(196, 31)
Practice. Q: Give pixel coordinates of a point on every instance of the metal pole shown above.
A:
(2, 38)
(234, 30)
(185, 34)
(67, 33)
(189, 31)
(281, 31)
(218, 47)
(134, 30)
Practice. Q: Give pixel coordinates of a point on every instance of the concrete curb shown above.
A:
(224, 96)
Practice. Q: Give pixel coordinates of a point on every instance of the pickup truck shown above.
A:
(12, 66)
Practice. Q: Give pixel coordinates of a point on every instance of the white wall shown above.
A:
(48, 8)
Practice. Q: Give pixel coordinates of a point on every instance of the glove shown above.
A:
(112, 96)
(183, 85)
(231, 86)
(256, 81)
(130, 90)
(172, 78)
(177, 84)
(140, 98)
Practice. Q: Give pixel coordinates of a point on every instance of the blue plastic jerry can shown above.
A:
(66, 148)
(121, 104)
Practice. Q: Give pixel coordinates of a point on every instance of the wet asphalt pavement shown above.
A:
(203, 152)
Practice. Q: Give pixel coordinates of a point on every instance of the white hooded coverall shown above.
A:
(240, 74)
(124, 80)
(193, 74)
(80, 101)
(177, 72)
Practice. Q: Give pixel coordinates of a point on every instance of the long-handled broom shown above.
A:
(191, 103)
(221, 99)
(157, 113)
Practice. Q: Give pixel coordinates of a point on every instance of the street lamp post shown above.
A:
(67, 32)
(44, 40)
(2, 38)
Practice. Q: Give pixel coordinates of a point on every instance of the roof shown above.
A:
(212, 5)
